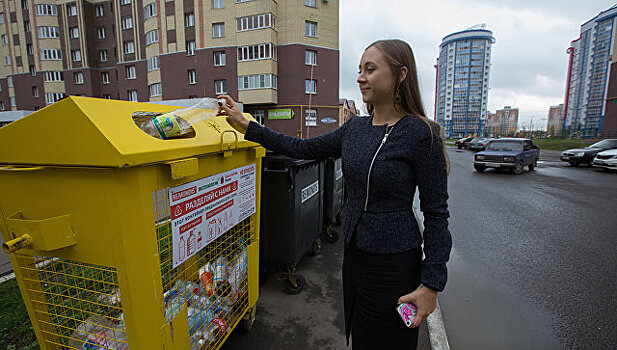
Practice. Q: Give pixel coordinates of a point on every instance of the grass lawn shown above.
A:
(15, 328)
(562, 144)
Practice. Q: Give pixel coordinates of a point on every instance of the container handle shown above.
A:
(229, 145)
(16, 244)
(19, 168)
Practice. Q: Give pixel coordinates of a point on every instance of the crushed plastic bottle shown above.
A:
(98, 332)
(177, 124)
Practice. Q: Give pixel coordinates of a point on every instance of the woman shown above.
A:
(384, 158)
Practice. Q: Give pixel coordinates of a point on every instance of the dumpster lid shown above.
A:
(86, 131)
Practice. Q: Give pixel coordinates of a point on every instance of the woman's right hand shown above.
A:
(231, 109)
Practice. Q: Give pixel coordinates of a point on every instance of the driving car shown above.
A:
(479, 144)
(585, 155)
(508, 153)
(606, 159)
(461, 143)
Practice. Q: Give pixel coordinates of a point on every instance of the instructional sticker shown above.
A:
(203, 210)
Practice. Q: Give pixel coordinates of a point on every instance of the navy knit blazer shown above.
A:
(381, 216)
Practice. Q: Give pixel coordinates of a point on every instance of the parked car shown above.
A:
(585, 155)
(606, 159)
(508, 153)
(461, 143)
(479, 144)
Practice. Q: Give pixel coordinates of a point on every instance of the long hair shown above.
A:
(407, 99)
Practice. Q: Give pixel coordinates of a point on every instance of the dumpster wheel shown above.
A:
(249, 319)
(330, 234)
(295, 283)
(316, 247)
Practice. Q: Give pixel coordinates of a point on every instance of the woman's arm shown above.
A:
(324, 146)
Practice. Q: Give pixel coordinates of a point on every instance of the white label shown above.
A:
(203, 210)
(309, 191)
(339, 174)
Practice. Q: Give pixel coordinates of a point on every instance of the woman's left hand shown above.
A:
(425, 300)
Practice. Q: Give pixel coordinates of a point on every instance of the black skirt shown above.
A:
(372, 285)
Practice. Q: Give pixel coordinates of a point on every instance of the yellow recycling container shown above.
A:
(121, 240)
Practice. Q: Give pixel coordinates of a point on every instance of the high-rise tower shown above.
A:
(463, 81)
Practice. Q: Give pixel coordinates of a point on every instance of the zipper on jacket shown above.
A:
(368, 180)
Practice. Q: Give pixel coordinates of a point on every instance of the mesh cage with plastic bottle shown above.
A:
(121, 240)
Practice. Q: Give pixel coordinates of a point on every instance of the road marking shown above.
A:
(5, 278)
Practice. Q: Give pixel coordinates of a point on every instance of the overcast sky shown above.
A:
(529, 60)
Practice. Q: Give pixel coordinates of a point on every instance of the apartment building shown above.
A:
(504, 122)
(555, 120)
(279, 57)
(589, 63)
(462, 81)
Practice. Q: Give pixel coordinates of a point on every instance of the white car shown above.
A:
(606, 159)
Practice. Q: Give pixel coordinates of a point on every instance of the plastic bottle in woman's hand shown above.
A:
(177, 124)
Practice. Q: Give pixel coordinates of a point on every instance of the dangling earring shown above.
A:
(397, 97)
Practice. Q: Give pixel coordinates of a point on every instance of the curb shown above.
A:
(434, 321)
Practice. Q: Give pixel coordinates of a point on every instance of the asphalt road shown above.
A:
(533, 264)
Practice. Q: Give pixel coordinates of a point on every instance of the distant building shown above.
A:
(555, 120)
(503, 122)
(8, 117)
(281, 58)
(347, 110)
(462, 81)
(586, 88)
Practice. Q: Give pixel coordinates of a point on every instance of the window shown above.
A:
(259, 115)
(310, 86)
(32, 70)
(220, 58)
(107, 96)
(125, 2)
(13, 102)
(192, 76)
(150, 10)
(102, 32)
(310, 57)
(220, 87)
(76, 55)
(9, 81)
(74, 32)
(100, 10)
(218, 30)
(1, 105)
(310, 3)
(52, 76)
(71, 9)
(105, 77)
(152, 37)
(311, 117)
(53, 97)
(127, 22)
(1, 17)
(256, 52)
(103, 55)
(129, 47)
(27, 26)
(153, 63)
(218, 4)
(5, 39)
(264, 20)
(7, 60)
(51, 54)
(189, 19)
(257, 81)
(130, 72)
(190, 48)
(48, 32)
(35, 91)
(155, 90)
(78, 77)
(46, 10)
(132, 95)
(310, 29)
(24, 4)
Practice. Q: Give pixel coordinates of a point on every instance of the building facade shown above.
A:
(280, 58)
(609, 129)
(462, 81)
(504, 122)
(588, 71)
(555, 120)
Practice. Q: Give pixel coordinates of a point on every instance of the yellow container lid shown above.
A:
(86, 131)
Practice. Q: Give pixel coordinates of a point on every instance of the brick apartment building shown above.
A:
(504, 122)
(555, 120)
(277, 57)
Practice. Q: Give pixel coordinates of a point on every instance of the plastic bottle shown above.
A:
(177, 124)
